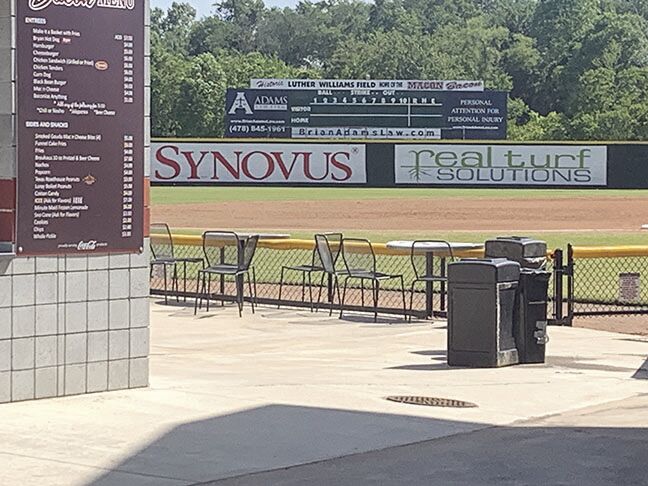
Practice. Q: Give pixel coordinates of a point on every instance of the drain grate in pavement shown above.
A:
(431, 401)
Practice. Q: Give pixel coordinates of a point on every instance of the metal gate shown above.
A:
(599, 281)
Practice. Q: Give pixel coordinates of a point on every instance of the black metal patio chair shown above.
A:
(227, 254)
(306, 271)
(423, 265)
(329, 246)
(163, 256)
(360, 262)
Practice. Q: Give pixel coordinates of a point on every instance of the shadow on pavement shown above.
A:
(583, 364)
(269, 437)
(432, 352)
(489, 457)
(422, 367)
(259, 446)
(642, 373)
(552, 361)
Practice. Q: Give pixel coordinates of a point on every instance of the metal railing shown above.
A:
(272, 255)
(586, 281)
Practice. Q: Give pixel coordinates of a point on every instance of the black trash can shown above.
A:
(481, 305)
(530, 328)
(529, 253)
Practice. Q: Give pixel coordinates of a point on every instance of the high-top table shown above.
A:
(264, 236)
(430, 249)
(245, 235)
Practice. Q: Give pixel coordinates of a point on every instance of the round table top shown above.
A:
(265, 236)
(229, 235)
(432, 246)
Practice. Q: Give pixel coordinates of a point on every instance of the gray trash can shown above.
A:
(530, 320)
(530, 323)
(481, 306)
(529, 253)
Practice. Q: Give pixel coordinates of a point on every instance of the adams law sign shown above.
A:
(543, 165)
(218, 162)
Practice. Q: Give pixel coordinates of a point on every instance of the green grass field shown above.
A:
(555, 239)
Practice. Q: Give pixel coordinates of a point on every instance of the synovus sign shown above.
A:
(218, 162)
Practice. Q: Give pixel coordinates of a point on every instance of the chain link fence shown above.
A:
(592, 281)
(271, 257)
(607, 281)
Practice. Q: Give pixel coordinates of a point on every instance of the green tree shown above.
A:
(210, 34)
(436, 14)
(200, 108)
(309, 34)
(168, 73)
(520, 60)
(616, 42)
(244, 17)
(611, 105)
(574, 68)
(173, 27)
(472, 51)
(477, 52)
(515, 15)
(559, 27)
(238, 69)
(388, 55)
(525, 124)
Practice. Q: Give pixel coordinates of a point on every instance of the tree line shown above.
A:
(575, 69)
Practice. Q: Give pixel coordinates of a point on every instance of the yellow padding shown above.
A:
(610, 251)
(381, 248)
(296, 244)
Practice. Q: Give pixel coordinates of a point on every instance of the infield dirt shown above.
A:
(421, 214)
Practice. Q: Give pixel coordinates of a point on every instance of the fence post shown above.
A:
(570, 285)
(558, 285)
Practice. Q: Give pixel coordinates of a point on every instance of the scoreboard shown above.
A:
(365, 114)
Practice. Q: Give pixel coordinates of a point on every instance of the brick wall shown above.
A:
(68, 324)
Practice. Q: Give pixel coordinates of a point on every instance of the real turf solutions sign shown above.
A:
(510, 165)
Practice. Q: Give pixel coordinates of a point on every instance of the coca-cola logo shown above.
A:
(119, 4)
(90, 245)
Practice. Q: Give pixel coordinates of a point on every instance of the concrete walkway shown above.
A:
(233, 398)
(600, 445)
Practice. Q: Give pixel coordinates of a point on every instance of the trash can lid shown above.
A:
(516, 247)
(483, 270)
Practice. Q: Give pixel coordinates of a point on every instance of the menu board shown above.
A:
(80, 126)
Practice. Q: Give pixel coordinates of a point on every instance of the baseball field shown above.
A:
(580, 217)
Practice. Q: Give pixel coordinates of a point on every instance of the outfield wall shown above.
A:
(399, 164)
